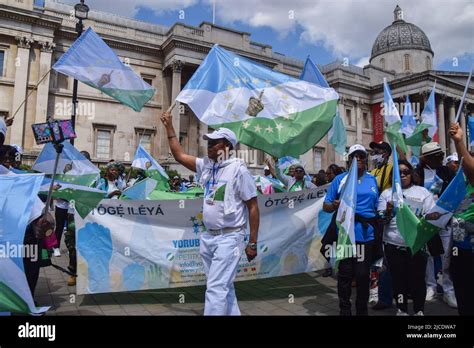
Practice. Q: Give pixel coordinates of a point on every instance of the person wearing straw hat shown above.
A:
(435, 177)
(230, 201)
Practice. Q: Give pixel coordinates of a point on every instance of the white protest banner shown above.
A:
(140, 245)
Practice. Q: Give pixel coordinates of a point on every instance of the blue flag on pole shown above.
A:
(337, 133)
(92, 62)
(408, 119)
(266, 109)
(312, 74)
(17, 197)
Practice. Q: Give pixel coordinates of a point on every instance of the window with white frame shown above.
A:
(318, 160)
(145, 139)
(103, 140)
(407, 62)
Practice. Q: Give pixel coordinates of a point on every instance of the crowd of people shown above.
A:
(399, 277)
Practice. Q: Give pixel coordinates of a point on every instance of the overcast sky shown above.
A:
(325, 29)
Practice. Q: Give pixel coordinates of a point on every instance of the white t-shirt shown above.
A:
(214, 195)
(111, 188)
(420, 201)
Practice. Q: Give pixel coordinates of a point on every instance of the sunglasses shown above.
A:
(360, 155)
(213, 142)
(299, 171)
(405, 172)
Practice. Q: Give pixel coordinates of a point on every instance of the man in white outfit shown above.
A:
(230, 199)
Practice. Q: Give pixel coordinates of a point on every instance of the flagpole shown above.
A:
(34, 88)
(143, 133)
(463, 97)
(171, 107)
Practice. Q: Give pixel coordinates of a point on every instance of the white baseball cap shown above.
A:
(18, 148)
(222, 133)
(356, 147)
(453, 157)
(3, 127)
(266, 168)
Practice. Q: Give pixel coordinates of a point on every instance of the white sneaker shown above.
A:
(56, 252)
(374, 296)
(419, 314)
(450, 299)
(430, 294)
(401, 313)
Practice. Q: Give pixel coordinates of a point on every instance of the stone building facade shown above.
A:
(34, 34)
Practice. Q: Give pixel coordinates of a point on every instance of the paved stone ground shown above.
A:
(312, 294)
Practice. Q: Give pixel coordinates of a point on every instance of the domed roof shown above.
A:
(400, 35)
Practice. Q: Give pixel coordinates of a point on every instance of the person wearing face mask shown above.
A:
(381, 153)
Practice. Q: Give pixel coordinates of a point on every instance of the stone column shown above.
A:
(441, 123)
(358, 122)
(193, 134)
(43, 88)
(452, 116)
(177, 66)
(339, 159)
(165, 103)
(22, 63)
(203, 129)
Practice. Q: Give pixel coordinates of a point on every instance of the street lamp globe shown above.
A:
(81, 10)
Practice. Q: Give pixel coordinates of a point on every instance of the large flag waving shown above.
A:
(84, 199)
(345, 218)
(408, 119)
(392, 118)
(428, 116)
(73, 167)
(266, 109)
(337, 134)
(92, 62)
(406, 219)
(445, 206)
(145, 161)
(17, 197)
(428, 125)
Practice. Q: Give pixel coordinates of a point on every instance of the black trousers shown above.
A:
(61, 218)
(462, 275)
(30, 265)
(358, 268)
(408, 277)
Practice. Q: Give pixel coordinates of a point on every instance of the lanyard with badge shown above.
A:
(211, 187)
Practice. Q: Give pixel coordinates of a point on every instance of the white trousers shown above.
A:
(447, 284)
(220, 255)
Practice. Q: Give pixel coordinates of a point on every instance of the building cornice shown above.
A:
(30, 17)
(125, 44)
(175, 41)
